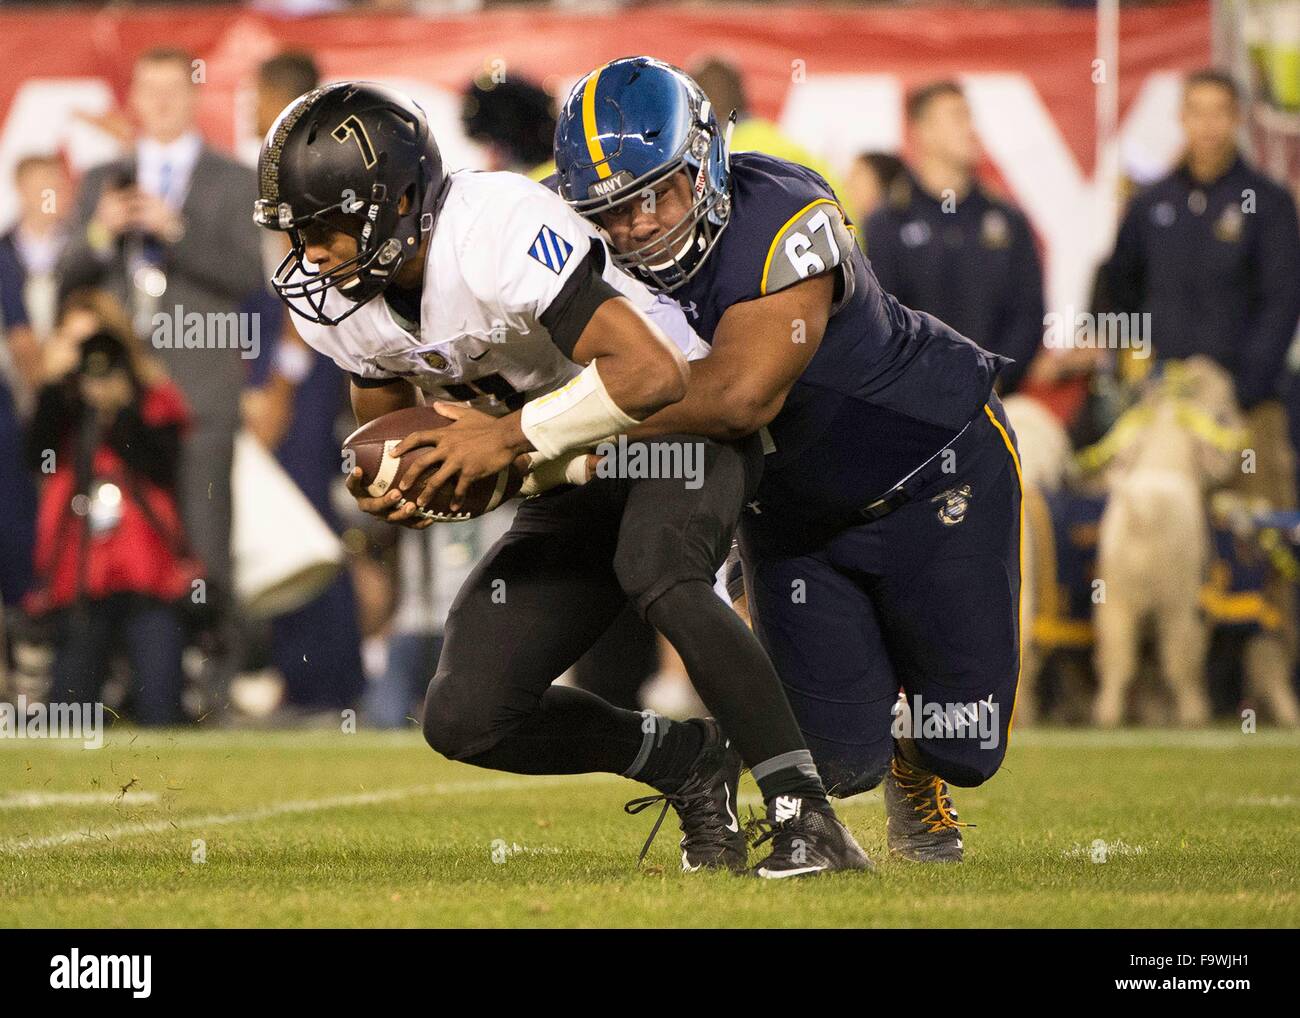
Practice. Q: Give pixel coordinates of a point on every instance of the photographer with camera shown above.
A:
(110, 552)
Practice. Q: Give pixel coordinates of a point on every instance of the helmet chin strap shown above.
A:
(672, 262)
(434, 199)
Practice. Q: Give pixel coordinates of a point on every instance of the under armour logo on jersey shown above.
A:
(550, 249)
(786, 807)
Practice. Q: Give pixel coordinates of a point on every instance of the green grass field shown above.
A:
(323, 829)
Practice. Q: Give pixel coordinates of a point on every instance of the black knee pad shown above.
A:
(452, 726)
(645, 579)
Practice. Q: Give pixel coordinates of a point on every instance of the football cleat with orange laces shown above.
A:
(920, 818)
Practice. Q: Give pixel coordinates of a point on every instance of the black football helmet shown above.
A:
(343, 156)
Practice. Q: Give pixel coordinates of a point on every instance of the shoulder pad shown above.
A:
(812, 241)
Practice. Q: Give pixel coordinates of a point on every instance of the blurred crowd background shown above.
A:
(174, 534)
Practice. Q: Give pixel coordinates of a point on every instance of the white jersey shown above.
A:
(501, 251)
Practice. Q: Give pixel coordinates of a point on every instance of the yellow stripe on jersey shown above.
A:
(771, 251)
(589, 128)
(1020, 483)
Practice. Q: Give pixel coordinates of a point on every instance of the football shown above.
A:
(371, 446)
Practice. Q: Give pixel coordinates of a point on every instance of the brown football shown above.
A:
(370, 448)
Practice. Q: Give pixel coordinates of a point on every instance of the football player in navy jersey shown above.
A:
(881, 552)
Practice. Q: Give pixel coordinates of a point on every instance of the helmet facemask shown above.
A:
(670, 259)
(360, 278)
(353, 158)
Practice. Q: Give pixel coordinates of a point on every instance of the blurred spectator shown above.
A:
(942, 244)
(280, 80)
(1212, 252)
(110, 551)
(32, 248)
(285, 361)
(19, 374)
(870, 181)
(168, 230)
(81, 313)
(19, 517)
(722, 82)
(293, 407)
(514, 121)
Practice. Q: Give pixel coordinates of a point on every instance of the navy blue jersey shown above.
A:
(1215, 265)
(887, 388)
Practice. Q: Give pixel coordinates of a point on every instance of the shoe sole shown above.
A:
(807, 871)
(811, 871)
(897, 853)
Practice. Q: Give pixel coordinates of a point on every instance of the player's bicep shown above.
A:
(762, 346)
(570, 311)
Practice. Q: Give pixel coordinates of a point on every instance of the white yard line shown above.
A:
(1272, 801)
(214, 740)
(41, 800)
(16, 846)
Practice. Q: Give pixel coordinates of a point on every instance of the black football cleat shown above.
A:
(706, 807)
(920, 818)
(807, 839)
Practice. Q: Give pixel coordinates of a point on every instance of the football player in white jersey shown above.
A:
(484, 290)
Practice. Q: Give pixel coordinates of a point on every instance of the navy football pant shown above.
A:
(909, 602)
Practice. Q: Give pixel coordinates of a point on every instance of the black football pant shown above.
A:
(555, 582)
(623, 660)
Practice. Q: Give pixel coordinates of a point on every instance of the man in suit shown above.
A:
(167, 229)
(29, 251)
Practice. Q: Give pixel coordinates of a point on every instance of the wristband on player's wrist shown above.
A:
(545, 474)
(574, 416)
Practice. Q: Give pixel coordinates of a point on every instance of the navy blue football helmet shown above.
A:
(625, 127)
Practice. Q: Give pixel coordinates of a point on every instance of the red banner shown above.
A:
(832, 78)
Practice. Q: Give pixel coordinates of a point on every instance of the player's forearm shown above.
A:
(640, 369)
(370, 403)
(639, 385)
(586, 410)
(716, 405)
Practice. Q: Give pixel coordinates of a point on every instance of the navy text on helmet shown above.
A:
(624, 128)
